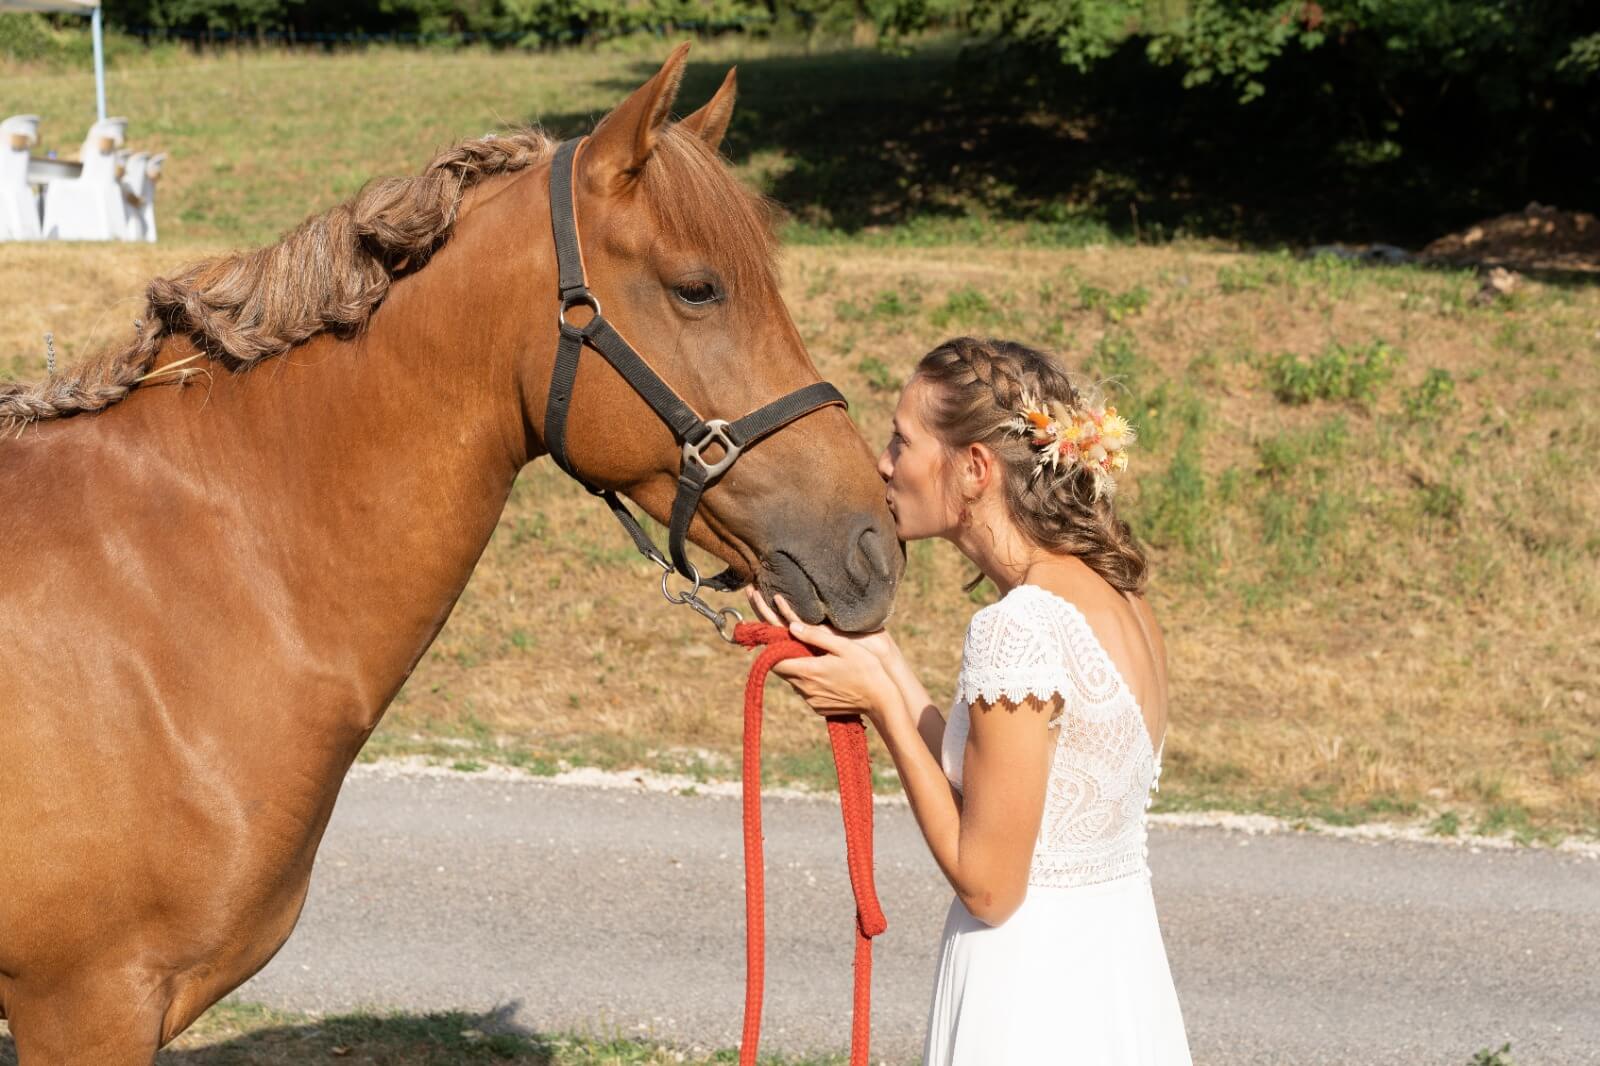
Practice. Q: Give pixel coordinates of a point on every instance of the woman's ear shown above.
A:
(979, 470)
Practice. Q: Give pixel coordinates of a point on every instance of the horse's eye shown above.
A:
(696, 293)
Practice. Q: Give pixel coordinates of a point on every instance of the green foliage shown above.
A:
(879, 377)
(1245, 277)
(1176, 506)
(1301, 530)
(1443, 501)
(1117, 359)
(1284, 455)
(1500, 1056)
(1237, 44)
(1114, 306)
(964, 306)
(891, 303)
(60, 40)
(26, 37)
(511, 21)
(1209, 39)
(1434, 398)
(528, 22)
(1341, 372)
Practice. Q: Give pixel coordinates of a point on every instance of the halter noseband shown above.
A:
(695, 472)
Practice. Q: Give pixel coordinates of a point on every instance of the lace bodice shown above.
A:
(1034, 643)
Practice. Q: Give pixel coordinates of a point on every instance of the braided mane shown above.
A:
(327, 275)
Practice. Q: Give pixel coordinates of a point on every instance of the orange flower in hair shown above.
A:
(1066, 438)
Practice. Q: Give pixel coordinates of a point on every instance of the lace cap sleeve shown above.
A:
(1009, 652)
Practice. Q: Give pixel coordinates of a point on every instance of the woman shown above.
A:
(1033, 794)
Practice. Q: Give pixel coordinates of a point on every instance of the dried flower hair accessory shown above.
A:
(1095, 438)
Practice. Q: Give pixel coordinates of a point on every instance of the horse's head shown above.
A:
(680, 257)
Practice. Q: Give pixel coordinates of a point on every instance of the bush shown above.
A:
(32, 38)
(1339, 373)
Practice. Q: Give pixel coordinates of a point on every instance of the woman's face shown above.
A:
(913, 467)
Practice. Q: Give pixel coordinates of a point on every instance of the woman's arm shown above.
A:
(983, 840)
(929, 722)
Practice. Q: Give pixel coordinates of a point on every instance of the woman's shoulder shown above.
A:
(1016, 626)
(1087, 597)
(1101, 627)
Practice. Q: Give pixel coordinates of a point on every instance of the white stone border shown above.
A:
(1411, 832)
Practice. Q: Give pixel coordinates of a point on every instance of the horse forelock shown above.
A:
(697, 201)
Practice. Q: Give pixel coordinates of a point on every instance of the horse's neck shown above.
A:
(361, 479)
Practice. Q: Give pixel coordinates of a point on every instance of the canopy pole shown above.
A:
(99, 64)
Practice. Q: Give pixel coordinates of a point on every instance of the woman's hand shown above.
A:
(851, 677)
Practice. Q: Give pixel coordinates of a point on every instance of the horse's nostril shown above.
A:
(869, 561)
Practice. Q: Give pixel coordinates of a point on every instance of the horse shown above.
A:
(213, 590)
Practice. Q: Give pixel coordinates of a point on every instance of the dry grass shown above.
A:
(1373, 609)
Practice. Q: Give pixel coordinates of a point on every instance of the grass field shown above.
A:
(1372, 505)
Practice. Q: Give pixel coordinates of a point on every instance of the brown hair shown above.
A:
(978, 391)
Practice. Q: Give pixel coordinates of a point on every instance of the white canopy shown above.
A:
(78, 7)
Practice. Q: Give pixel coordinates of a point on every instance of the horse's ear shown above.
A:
(710, 123)
(625, 138)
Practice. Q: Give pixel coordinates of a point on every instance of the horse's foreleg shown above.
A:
(113, 1019)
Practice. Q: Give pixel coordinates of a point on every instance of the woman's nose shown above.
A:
(885, 465)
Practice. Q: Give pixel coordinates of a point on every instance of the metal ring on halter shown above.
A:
(718, 434)
(682, 597)
(569, 302)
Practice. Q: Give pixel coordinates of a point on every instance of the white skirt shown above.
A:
(1076, 975)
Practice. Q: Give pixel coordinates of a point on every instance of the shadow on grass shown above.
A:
(248, 1036)
(851, 139)
(242, 1034)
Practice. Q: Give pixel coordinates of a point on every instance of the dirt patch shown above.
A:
(1535, 238)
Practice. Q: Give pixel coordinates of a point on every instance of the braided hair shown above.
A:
(977, 392)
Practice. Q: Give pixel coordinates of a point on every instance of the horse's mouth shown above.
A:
(783, 574)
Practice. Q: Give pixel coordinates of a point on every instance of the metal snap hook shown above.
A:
(724, 618)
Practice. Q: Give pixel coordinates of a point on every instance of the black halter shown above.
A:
(695, 433)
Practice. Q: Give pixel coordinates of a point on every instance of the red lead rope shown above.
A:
(849, 737)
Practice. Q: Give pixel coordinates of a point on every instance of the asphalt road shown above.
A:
(621, 912)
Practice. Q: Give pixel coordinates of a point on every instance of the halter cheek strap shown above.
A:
(696, 472)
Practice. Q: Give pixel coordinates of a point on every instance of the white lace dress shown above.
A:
(1079, 973)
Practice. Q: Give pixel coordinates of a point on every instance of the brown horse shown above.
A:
(212, 592)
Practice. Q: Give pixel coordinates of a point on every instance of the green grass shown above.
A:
(1500, 1056)
(1339, 372)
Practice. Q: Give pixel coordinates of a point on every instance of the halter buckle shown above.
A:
(717, 433)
